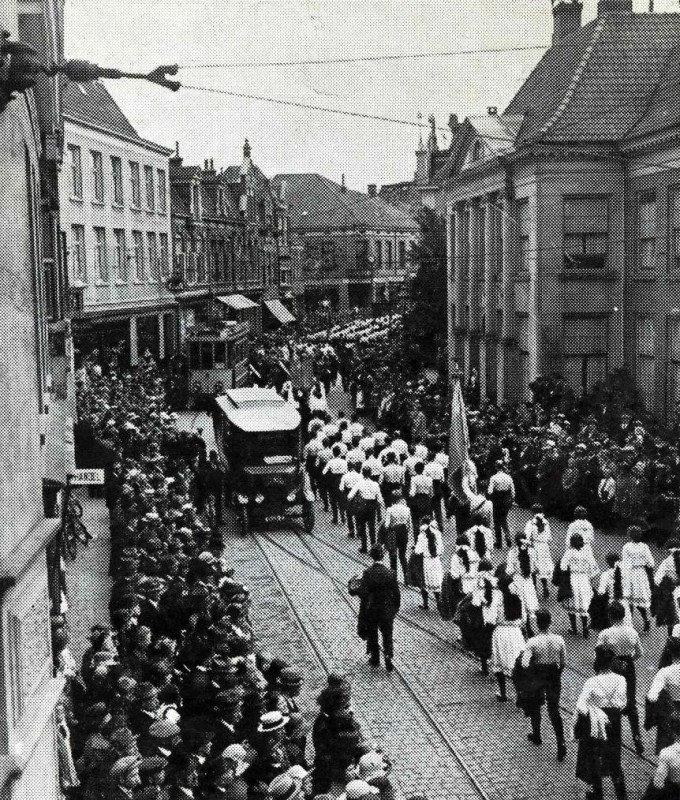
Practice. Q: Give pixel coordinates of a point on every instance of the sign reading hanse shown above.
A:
(83, 477)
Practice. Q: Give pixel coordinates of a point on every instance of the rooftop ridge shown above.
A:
(578, 73)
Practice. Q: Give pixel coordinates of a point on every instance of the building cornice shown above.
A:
(145, 143)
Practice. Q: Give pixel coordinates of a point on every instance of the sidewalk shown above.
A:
(87, 578)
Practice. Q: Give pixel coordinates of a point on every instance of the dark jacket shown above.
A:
(379, 593)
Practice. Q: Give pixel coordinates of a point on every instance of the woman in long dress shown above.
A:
(477, 614)
(598, 727)
(580, 562)
(538, 531)
(522, 568)
(664, 696)
(507, 640)
(637, 563)
(429, 545)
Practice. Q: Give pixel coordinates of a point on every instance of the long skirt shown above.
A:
(598, 758)
(433, 574)
(507, 643)
(527, 592)
(636, 588)
(544, 560)
(582, 594)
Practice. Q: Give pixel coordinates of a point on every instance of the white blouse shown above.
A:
(667, 678)
(607, 690)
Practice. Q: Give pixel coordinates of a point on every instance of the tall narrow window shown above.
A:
(97, 176)
(162, 191)
(135, 185)
(151, 248)
(78, 253)
(673, 368)
(674, 223)
(645, 340)
(586, 232)
(117, 180)
(150, 189)
(524, 231)
(646, 231)
(378, 255)
(584, 348)
(401, 249)
(120, 255)
(100, 256)
(138, 251)
(76, 165)
(163, 255)
(388, 255)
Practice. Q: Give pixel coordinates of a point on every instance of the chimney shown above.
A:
(453, 122)
(566, 18)
(176, 158)
(372, 189)
(615, 6)
(492, 111)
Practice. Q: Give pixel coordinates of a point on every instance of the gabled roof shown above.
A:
(328, 206)
(92, 105)
(596, 83)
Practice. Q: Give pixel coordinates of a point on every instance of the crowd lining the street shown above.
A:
(175, 699)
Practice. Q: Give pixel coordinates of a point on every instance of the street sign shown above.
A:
(85, 477)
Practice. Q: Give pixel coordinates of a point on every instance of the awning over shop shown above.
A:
(279, 311)
(237, 301)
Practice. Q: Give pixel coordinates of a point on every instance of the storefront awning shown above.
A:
(237, 301)
(279, 311)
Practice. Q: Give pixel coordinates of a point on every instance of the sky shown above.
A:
(138, 35)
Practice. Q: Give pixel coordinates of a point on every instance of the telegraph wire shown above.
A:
(363, 59)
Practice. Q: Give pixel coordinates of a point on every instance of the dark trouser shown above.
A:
(437, 505)
(551, 685)
(388, 490)
(351, 519)
(502, 503)
(420, 504)
(395, 541)
(336, 498)
(625, 666)
(386, 629)
(366, 519)
(618, 782)
(400, 552)
(311, 471)
(217, 499)
(322, 488)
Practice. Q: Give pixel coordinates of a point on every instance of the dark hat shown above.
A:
(153, 764)
(230, 698)
(290, 677)
(124, 766)
(123, 738)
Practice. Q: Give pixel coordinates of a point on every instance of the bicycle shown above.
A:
(73, 529)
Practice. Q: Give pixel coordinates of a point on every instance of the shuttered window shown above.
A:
(646, 231)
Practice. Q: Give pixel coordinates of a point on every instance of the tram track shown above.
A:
(425, 712)
(340, 588)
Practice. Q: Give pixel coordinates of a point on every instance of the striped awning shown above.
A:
(237, 301)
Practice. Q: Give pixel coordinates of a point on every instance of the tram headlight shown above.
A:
(292, 497)
(259, 498)
(242, 498)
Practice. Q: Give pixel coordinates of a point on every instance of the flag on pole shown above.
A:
(459, 440)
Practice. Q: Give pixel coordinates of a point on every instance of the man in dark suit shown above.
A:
(380, 601)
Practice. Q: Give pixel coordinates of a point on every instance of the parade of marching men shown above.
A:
(318, 488)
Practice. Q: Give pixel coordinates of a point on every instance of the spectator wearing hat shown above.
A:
(285, 787)
(380, 602)
(359, 790)
(124, 778)
(271, 758)
(374, 768)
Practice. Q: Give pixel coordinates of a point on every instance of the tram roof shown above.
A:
(255, 410)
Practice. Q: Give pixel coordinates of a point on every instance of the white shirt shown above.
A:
(421, 484)
(346, 436)
(349, 480)
(375, 465)
(380, 438)
(398, 514)
(367, 443)
(667, 678)
(400, 447)
(501, 482)
(421, 452)
(410, 463)
(356, 429)
(331, 430)
(367, 488)
(607, 690)
(356, 456)
(336, 466)
(434, 471)
(443, 459)
(393, 473)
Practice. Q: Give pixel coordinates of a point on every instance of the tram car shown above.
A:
(216, 360)
(258, 436)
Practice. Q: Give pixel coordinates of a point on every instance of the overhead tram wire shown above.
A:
(364, 59)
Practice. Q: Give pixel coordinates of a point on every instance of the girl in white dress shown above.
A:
(507, 640)
(581, 526)
(464, 565)
(521, 567)
(582, 568)
(429, 545)
(637, 562)
(539, 534)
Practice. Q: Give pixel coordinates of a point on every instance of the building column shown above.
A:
(161, 337)
(451, 288)
(459, 251)
(487, 298)
(506, 390)
(134, 360)
(471, 355)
